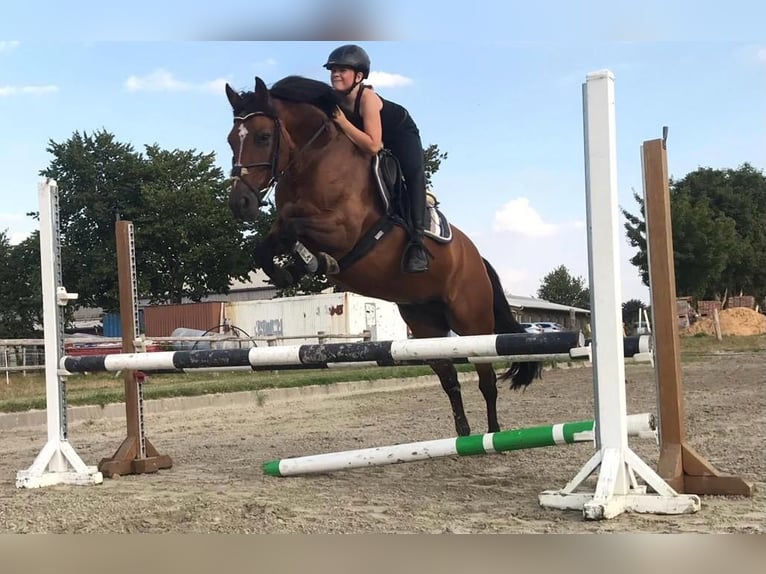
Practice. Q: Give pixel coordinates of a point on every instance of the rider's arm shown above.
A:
(371, 139)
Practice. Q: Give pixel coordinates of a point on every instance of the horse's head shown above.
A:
(255, 142)
(263, 148)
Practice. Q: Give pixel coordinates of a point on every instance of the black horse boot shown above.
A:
(415, 258)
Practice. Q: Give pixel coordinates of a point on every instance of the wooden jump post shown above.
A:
(679, 464)
(136, 454)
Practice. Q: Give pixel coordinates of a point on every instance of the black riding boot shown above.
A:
(415, 258)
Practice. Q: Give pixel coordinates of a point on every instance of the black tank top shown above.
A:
(395, 120)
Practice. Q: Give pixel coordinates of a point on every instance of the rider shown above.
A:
(385, 124)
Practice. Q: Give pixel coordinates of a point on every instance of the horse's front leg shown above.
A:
(308, 261)
(265, 252)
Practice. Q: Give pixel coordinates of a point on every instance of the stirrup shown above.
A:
(409, 254)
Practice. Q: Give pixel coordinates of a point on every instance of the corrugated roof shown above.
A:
(519, 302)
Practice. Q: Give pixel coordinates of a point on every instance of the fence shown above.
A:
(16, 358)
(747, 301)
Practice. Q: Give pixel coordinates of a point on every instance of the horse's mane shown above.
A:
(305, 90)
(296, 89)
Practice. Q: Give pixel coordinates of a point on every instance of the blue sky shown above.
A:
(504, 103)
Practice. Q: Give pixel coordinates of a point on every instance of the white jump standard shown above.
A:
(616, 490)
(57, 463)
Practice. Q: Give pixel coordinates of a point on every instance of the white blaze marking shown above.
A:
(242, 132)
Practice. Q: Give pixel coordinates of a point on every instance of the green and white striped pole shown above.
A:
(515, 439)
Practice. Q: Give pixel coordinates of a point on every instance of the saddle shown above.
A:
(391, 187)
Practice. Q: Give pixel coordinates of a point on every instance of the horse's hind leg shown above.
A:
(488, 388)
(428, 320)
(471, 313)
(447, 374)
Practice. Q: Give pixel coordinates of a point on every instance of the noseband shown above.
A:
(238, 169)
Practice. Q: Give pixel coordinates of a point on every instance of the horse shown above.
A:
(331, 220)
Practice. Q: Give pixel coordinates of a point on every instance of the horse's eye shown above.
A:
(262, 138)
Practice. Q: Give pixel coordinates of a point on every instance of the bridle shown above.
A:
(238, 169)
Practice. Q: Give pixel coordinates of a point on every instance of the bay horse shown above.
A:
(331, 220)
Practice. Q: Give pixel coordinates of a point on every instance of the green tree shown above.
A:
(187, 243)
(432, 158)
(719, 232)
(635, 231)
(707, 244)
(737, 196)
(20, 289)
(630, 310)
(559, 286)
(99, 180)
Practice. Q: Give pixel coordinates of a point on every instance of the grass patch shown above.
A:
(25, 393)
(708, 345)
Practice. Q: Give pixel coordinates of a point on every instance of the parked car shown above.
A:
(532, 328)
(549, 327)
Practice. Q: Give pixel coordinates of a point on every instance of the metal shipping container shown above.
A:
(113, 326)
(306, 315)
(162, 320)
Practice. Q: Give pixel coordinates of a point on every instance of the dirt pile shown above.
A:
(736, 321)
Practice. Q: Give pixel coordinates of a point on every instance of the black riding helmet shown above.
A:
(350, 56)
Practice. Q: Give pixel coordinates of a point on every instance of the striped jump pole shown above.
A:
(641, 425)
(632, 345)
(383, 353)
(549, 357)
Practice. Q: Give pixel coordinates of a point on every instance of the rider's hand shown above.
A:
(339, 117)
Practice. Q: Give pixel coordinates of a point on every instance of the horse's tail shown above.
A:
(521, 374)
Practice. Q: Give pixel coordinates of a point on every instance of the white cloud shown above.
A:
(28, 90)
(267, 63)
(10, 217)
(516, 281)
(7, 46)
(518, 216)
(163, 81)
(216, 86)
(386, 80)
(761, 54)
(16, 237)
(15, 226)
(523, 262)
(158, 81)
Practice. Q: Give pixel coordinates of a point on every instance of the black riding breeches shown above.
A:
(408, 149)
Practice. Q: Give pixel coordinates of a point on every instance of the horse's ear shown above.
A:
(262, 92)
(234, 98)
(260, 85)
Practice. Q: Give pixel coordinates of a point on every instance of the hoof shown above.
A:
(462, 428)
